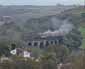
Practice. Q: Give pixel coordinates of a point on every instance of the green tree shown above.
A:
(73, 40)
(4, 48)
(79, 62)
(60, 52)
(36, 52)
(48, 61)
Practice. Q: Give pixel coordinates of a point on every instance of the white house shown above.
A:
(21, 52)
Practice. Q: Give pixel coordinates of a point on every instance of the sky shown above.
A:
(40, 2)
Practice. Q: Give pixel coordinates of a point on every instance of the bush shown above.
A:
(79, 62)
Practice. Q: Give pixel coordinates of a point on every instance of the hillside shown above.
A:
(20, 20)
(20, 15)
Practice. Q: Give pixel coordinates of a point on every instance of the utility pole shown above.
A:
(84, 3)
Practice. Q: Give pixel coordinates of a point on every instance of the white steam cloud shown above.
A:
(64, 29)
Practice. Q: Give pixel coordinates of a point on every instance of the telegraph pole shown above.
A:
(84, 3)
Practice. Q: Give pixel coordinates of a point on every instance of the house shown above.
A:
(21, 52)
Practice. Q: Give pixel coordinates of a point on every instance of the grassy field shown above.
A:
(82, 29)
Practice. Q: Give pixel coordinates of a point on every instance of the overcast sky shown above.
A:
(40, 2)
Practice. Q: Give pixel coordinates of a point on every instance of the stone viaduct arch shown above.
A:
(44, 43)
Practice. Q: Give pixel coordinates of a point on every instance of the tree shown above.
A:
(4, 48)
(48, 61)
(60, 52)
(36, 52)
(79, 62)
(73, 40)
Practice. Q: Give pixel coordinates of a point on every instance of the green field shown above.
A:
(82, 29)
